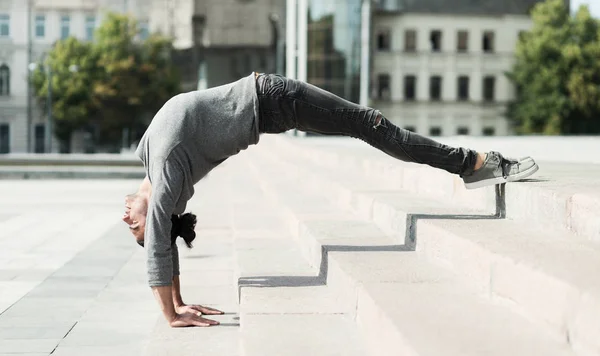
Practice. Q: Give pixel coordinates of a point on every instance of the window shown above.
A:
(383, 40)
(410, 87)
(90, 27)
(410, 40)
(463, 88)
(410, 128)
(489, 88)
(4, 138)
(65, 26)
(435, 88)
(383, 87)
(39, 137)
(462, 131)
(198, 26)
(488, 41)
(40, 26)
(435, 131)
(4, 25)
(436, 40)
(462, 43)
(489, 131)
(144, 30)
(4, 80)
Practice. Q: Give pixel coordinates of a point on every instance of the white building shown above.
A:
(51, 20)
(440, 69)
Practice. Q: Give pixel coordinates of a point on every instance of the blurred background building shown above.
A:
(439, 66)
(434, 67)
(220, 41)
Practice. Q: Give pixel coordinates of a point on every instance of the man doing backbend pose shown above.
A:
(196, 131)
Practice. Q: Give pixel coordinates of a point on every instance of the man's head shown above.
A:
(136, 208)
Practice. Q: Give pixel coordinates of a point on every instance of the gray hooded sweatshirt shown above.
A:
(189, 136)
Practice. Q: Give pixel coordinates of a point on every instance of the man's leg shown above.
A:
(287, 104)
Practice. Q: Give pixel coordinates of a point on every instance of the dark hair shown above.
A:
(183, 225)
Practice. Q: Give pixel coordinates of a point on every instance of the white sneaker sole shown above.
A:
(524, 174)
(500, 180)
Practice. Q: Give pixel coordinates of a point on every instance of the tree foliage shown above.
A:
(72, 67)
(137, 77)
(121, 80)
(557, 73)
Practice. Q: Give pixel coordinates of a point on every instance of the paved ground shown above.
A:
(72, 280)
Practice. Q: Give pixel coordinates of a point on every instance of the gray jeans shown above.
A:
(286, 104)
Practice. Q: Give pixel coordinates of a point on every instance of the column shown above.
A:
(291, 34)
(302, 39)
(365, 52)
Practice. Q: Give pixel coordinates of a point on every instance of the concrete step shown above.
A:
(71, 159)
(288, 334)
(16, 172)
(548, 275)
(407, 306)
(561, 195)
(285, 306)
(400, 299)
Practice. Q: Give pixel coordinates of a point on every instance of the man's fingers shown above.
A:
(200, 323)
(208, 321)
(212, 312)
(209, 311)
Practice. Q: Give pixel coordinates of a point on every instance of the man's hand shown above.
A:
(197, 309)
(191, 319)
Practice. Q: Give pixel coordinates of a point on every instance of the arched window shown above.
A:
(4, 80)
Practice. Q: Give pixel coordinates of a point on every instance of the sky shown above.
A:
(594, 6)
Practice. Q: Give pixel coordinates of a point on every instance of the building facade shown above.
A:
(40, 23)
(440, 70)
(441, 75)
(220, 41)
(433, 67)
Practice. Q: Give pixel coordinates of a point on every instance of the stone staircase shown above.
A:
(418, 264)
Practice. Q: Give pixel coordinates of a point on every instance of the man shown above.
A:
(194, 132)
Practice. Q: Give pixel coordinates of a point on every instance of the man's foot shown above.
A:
(496, 170)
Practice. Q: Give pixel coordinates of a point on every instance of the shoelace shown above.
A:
(506, 164)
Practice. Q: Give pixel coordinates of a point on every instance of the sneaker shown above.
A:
(497, 169)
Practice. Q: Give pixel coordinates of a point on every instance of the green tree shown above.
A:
(119, 83)
(557, 74)
(136, 77)
(72, 65)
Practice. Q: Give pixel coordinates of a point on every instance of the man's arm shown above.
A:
(176, 287)
(176, 293)
(163, 296)
(166, 189)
